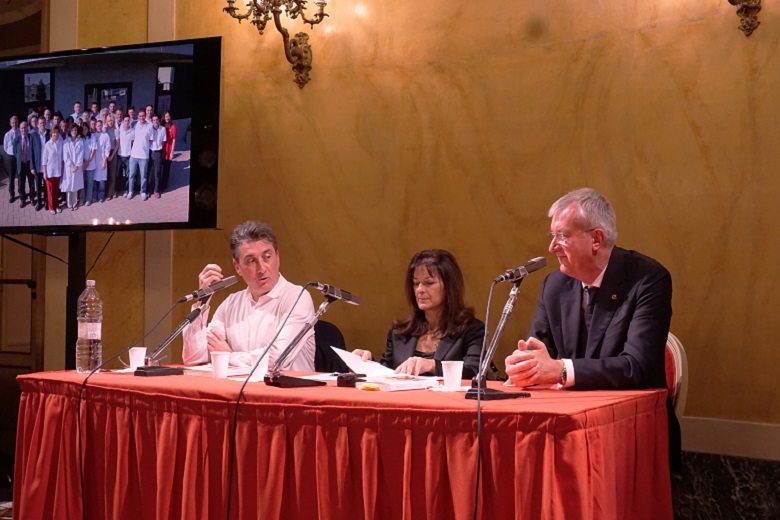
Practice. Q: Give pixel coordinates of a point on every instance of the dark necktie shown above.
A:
(588, 301)
(24, 150)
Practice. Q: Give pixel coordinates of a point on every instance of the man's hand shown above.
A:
(531, 364)
(416, 366)
(212, 273)
(216, 342)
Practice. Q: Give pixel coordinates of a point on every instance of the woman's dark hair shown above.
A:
(455, 315)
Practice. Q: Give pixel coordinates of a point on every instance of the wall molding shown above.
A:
(736, 438)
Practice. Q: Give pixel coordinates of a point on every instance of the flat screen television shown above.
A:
(180, 77)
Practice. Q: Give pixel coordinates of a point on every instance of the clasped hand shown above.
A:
(531, 364)
(216, 342)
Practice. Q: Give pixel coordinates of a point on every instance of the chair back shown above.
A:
(327, 335)
(676, 373)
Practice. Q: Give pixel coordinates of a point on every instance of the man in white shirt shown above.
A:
(39, 138)
(139, 155)
(9, 160)
(158, 137)
(76, 111)
(125, 135)
(47, 119)
(248, 320)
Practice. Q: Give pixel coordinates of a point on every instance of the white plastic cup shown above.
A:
(262, 368)
(453, 374)
(137, 355)
(219, 364)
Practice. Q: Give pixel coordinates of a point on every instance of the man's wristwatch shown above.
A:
(563, 374)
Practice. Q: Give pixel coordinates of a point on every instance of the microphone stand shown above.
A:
(478, 389)
(152, 364)
(275, 377)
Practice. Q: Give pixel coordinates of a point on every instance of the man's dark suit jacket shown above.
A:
(628, 332)
(37, 148)
(629, 328)
(465, 348)
(18, 152)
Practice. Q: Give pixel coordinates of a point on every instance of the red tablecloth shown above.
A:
(156, 448)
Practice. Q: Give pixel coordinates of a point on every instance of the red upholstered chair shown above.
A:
(676, 373)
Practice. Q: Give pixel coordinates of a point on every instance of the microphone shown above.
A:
(337, 294)
(208, 291)
(522, 271)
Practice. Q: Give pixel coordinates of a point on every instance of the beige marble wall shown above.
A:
(120, 271)
(455, 124)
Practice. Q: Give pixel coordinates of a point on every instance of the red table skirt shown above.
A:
(157, 448)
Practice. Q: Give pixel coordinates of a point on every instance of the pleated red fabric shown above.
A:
(157, 448)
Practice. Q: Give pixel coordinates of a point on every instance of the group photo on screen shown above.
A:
(96, 139)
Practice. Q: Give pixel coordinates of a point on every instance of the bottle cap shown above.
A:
(90, 283)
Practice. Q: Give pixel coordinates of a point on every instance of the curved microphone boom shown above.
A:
(208, 291)
(523, 270)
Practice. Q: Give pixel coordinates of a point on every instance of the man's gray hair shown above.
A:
(251, 231)
(595, 211)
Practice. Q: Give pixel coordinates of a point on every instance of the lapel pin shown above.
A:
(614, 297)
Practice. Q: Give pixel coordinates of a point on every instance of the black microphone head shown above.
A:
(536, 264)
(335, 293)
(523, 270)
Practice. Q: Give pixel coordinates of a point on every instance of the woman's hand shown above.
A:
(416, 366)
(365, 355)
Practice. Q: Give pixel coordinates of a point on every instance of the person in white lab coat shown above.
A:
(73, 177)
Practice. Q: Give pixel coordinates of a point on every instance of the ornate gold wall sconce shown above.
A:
(747, 10)
(296, 49)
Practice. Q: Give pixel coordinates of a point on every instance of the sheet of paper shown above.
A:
(358, 366)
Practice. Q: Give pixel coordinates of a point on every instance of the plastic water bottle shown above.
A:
(89, 347)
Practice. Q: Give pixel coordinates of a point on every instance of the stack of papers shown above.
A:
(385, 378)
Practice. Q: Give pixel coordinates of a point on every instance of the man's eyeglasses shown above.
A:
(563, 238)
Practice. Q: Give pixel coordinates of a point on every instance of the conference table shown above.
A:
(158, 448)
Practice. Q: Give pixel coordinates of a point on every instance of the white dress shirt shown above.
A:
(125, 141)
(158, 136)
(8, 140)
(248, 325)
(140, 149)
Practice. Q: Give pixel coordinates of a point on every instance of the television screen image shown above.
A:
(136, 144)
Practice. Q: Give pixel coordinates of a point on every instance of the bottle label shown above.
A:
(89, 330)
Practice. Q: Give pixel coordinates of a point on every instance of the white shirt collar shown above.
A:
(597, 281)
(274, 294)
